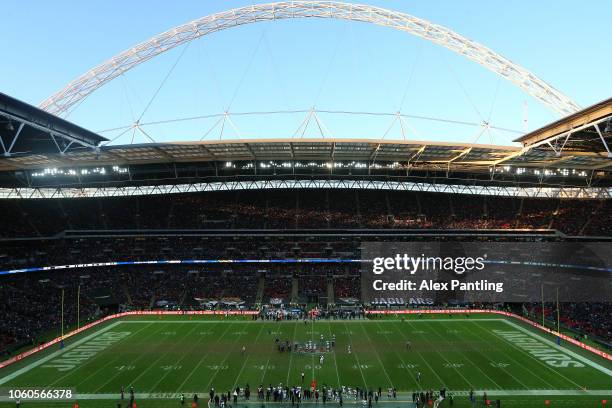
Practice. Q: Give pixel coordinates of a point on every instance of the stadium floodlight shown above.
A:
(77, 90)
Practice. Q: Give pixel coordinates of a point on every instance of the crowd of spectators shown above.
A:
(592, 319)
(312, 284)
(31, 306)
(303, 209)
(31, 303)
(90, 249)
(347, 286)
(278, 286)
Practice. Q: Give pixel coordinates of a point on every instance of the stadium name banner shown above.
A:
(426, 273)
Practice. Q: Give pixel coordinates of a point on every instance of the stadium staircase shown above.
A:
(294, 290)
(330, 291)
(519, 213)
(64, 215)
(152, 303)
(265, 225)
(261, 285)
(28, 220)
(327, 209)
(297, 211)
(102, 215)
(357, 207)
(551, 223)
(388, 205)
(593, 215)
(182, 300)
(127, 293)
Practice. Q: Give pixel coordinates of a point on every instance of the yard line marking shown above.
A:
(509, 356)
(421, 356)
(378, 356)
(567, 351)
(55, 354)
(96, 371)
(444, 358)
(132, 381)
(202, 360)
(331, 335)
(356, 357)
(180, 360)
(265, 370)
(311, 354)
(247, 358)
(238, 338)
(465, 355)
(193, 348)
(400, 357)
(291, 356)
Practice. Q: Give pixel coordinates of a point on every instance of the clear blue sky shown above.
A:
(289, 65)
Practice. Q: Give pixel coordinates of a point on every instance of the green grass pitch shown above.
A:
(164, 356)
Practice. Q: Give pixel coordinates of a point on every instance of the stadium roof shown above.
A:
(269, 149)
(26, 130)
(588, 130)
(417, 153)
(34, 139)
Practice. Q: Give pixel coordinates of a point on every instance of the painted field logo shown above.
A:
(539, 350)
(78, 355)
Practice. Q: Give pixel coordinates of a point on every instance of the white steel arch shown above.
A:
(81, 87)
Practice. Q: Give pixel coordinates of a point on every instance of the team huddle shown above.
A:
(323, 345)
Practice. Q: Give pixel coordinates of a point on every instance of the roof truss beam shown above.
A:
(504, 191)
(52, 134)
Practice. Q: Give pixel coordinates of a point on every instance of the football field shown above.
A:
(162, 357)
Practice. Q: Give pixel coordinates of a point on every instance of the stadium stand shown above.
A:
(298, 210)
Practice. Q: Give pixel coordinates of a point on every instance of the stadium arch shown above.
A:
(81, 87)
